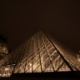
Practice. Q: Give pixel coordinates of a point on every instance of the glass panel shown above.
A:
(47, 43)
(49, 46)
(29, 64)
(29, 70)
(49, 69)
(36, 64)
(41, 44)
(36, 50)
(26, 68)
(29, 55)
(17, 68)
(42, 48)
(45, 39)
(38, 69)
(57, 62)
(29, 61)
(46, 63)
(43, 52)
(22, 68)
(25, 59)
(64, 67)
(73, 67)
(35, 57)
(51, 50)
(45, 56)
(54, 55)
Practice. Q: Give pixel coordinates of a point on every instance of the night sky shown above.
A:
(21, 19)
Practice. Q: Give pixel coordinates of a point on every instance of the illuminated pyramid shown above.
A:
(40, 53)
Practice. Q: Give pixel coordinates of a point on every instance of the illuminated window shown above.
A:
(6, 71)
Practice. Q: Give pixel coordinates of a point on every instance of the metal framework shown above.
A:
(40, 53)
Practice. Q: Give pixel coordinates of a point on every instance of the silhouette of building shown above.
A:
(3, 46)
(39, 54)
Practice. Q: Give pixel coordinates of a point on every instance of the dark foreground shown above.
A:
(45, 76)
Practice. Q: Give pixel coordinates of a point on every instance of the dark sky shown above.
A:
(21, 19)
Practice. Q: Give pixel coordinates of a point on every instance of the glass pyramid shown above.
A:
(40, 53)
